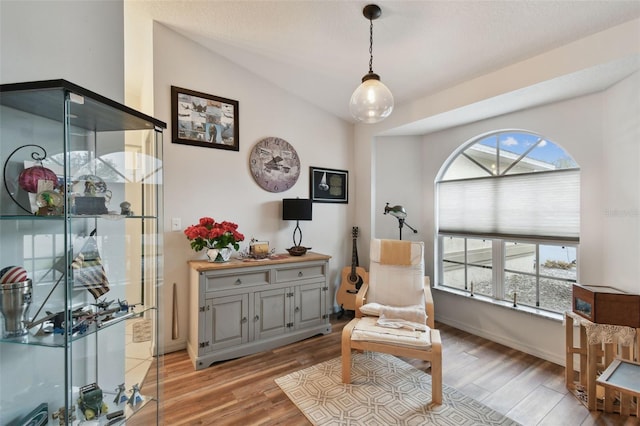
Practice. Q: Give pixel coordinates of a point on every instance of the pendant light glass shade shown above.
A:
(372, 101)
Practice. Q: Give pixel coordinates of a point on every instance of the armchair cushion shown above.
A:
(367, 330)
(371, 309)
(396, 284)
(398, 323)
(396, 252)
(414, 313)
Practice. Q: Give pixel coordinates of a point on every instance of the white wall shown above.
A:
(620, 209)
(82, 42)
(218, 183)
(398, 169)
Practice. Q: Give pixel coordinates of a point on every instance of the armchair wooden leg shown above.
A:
(436, 381)
(346, 352)
(436, 367)
(346, 367)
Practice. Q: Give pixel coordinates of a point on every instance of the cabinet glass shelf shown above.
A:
(58, 339)
(76, 216)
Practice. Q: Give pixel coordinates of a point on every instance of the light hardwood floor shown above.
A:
(243, 392)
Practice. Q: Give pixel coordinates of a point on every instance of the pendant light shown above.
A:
(372, 101)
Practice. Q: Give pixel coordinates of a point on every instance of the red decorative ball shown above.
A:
(29, 178)
(13, 274)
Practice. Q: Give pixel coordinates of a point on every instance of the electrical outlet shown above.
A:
(176, 224)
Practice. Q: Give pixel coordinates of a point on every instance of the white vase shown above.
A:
(212, 254)
(225, 254)
(219, 255)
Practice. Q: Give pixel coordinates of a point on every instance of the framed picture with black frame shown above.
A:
(328, 185)
(204, 120)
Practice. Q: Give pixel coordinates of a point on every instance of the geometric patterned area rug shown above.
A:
(384, 390)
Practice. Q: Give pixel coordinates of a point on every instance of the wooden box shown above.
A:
(606, 305)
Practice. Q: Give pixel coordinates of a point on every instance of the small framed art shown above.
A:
(205, 120)
(328, 185)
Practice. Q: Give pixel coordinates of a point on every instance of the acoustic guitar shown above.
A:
(352, 278)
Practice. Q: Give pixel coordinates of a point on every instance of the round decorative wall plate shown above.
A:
(274, 164)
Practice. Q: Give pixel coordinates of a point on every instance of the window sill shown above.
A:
(553, 316)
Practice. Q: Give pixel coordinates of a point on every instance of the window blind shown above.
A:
(542, 204)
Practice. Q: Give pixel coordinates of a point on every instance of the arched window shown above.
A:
(509, 220)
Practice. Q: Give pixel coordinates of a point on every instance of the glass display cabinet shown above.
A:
(80, 258)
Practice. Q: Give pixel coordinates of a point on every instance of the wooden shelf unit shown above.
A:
(593, 359)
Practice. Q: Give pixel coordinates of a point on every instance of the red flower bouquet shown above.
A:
(211, 234)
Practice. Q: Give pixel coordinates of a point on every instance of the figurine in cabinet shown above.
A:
(135, 397)
(120, 395)
(90, 401)
(125, 208)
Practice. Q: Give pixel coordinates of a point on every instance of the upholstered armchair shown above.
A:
(395, 312)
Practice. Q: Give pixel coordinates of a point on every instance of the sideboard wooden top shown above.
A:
(280, 258)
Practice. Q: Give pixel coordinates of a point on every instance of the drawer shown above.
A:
(235, 280)
(302, 272)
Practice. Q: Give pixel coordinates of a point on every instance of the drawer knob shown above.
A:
(297, 309)
(300, 274)
(238, 282)
(257, 318)
(244, 319)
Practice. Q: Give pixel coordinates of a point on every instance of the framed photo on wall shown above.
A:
(328, 185)
(205, 120)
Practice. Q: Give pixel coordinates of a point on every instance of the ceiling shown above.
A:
(319, 49)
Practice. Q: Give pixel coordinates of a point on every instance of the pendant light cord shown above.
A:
(370, 46)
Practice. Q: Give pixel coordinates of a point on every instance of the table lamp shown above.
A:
(297, 209)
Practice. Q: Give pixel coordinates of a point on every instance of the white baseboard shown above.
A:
(178, 345)
(174, 346)
(518, 345)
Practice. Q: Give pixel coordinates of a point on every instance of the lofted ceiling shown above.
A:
(318, 49)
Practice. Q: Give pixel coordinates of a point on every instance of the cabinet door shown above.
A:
(272, 312)
(310, 305)
(227, 322)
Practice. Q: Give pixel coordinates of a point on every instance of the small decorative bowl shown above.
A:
(298, 250)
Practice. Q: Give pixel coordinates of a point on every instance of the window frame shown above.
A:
(498, 266)
(499, 240)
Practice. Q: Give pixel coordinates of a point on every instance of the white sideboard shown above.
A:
(241, 307)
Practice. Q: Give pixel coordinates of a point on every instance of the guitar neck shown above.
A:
(354, 257)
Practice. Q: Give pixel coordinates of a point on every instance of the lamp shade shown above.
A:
(397, 211)
(372, 101)
(296, 209)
